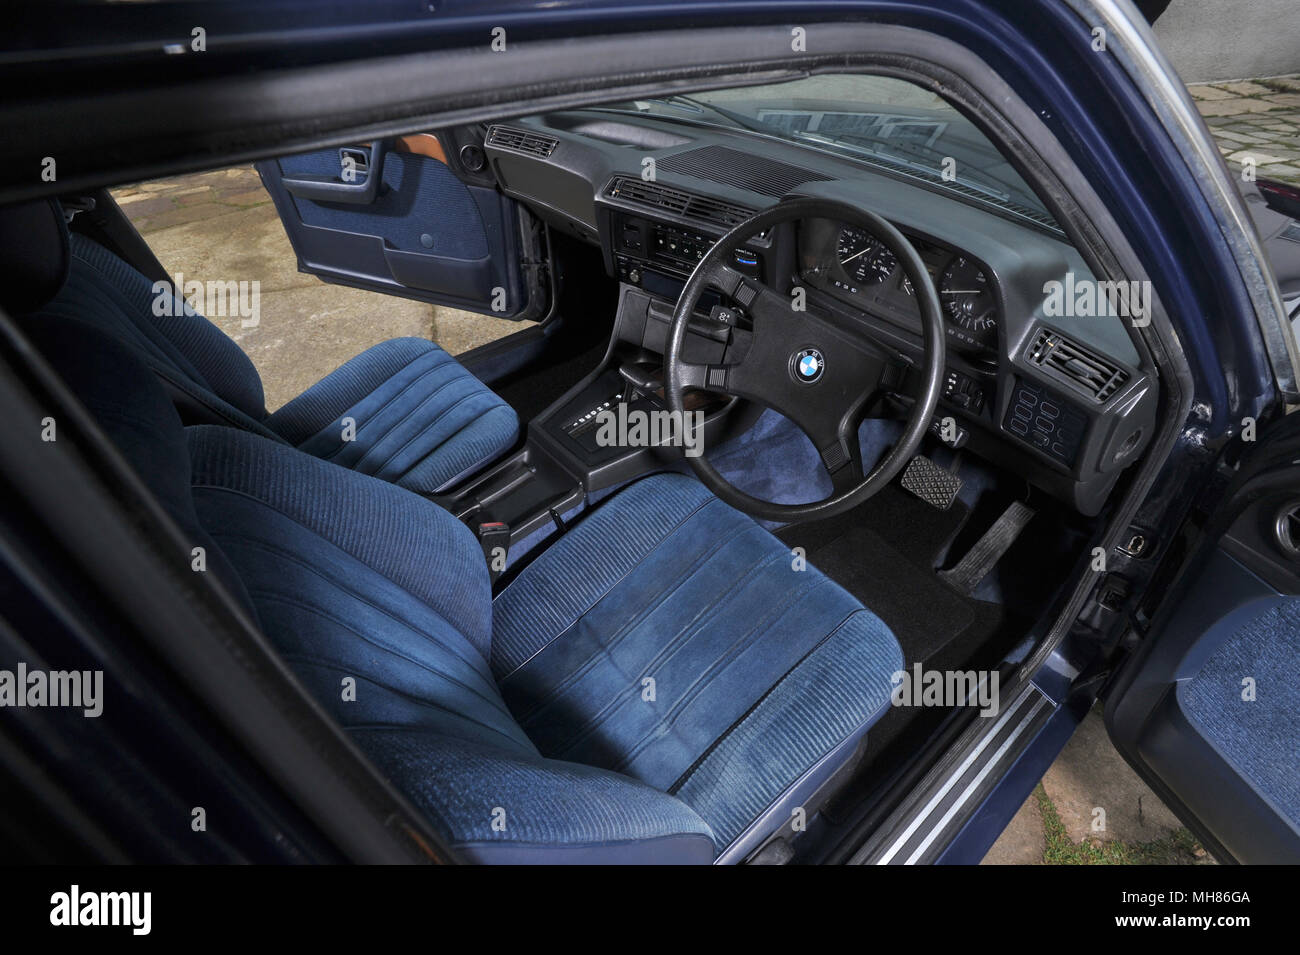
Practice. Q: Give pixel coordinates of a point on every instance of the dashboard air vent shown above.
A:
(521, 141)
(1082, 367)
(656, 198)
(731, 167)
(1286, 528)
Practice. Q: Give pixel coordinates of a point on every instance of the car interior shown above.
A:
(563, 650)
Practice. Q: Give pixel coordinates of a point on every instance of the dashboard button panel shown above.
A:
(1045, 420)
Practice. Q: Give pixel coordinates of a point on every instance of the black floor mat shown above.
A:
(883, 553)
(923, 612)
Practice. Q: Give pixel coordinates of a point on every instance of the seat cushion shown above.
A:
(380, 603)
(418, 418)
(670, 638)
(499, 806)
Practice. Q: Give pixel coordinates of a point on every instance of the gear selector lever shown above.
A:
(642, 376)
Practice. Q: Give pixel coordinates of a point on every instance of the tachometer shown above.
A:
(863, 257)
(969, 302)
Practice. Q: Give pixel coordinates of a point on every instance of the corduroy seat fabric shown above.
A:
(403, 410)
(670, 638)
(665, 683)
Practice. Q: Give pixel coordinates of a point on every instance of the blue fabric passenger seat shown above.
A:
(403, 410)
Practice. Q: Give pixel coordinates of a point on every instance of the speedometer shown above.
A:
(969, 302)
(863, 257)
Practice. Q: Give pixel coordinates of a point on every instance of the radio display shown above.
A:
(1042, 418)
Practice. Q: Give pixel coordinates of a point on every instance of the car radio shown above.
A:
(658, 256)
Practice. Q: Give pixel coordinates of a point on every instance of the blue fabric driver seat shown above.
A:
(670, 638)
(663, 684)
(404, 410)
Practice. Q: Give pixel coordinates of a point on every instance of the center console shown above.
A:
(567, 454)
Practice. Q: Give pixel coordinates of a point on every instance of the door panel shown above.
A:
(1208, 710)
(392, 217)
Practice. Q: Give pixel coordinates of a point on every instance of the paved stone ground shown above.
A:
(1257, 118)
(222, 226)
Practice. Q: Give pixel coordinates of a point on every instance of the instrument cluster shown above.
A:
(856, 267)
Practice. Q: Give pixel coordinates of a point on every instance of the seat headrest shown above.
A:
(34, 254)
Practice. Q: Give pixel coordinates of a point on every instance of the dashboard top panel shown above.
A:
(596, 148)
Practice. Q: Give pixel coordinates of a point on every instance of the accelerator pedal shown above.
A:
(933, 484)
(988, 550)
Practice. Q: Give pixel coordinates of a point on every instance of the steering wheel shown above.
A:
(818, 372)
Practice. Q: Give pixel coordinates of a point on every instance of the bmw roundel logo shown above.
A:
(807, 365)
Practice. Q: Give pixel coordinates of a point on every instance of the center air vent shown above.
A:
(656, 198)
(731, 167)
(1075, 364)
(521, 141)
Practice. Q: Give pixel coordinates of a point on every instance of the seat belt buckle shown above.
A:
(494, 538)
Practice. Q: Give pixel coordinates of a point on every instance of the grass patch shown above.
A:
(1179, 848)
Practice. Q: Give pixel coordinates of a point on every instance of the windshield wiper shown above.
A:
(691, 105)
(676, 101)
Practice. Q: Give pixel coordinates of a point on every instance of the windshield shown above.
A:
(888, 123)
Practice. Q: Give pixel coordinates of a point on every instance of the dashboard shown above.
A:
(1065, 402)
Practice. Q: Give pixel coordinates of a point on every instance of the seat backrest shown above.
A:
(197, 362)
(380, 602)
(52, 273)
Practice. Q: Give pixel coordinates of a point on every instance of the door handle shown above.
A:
(355, 160)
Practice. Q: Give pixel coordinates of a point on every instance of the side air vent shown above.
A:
(1286, 529)
(731, 167)
(1081, 367)
(521, 141)
(656, 198)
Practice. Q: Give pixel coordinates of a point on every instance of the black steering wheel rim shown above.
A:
(932, 368)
